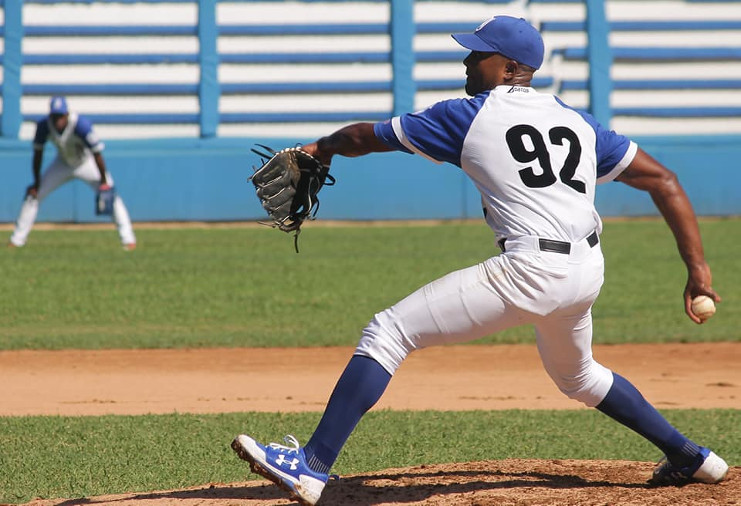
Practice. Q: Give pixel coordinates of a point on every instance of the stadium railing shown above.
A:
(550, 80)
(659, 55)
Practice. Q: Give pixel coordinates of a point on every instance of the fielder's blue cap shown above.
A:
(514, 38)
(58, 105)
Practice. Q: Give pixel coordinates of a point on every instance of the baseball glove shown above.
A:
(287, 185)
(104, 200)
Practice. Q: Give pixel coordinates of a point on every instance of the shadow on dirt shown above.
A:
(418, 485)
(408, 486)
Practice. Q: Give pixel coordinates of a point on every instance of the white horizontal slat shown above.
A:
(270, 13)
(555, 40)
(306, 103)
(687, 38)
(303, 44)
(110, 74)
(108, 132)
(632, 126)
(435, 42)
(311, 131)
(109, 45)
(558, 11)
(116, 104)
(448, 70)
(346, 72)
(675, 70)
(463, 11)
(675, 10)
(110, 14)
(676, 98)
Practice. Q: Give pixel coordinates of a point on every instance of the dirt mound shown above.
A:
(506, 482)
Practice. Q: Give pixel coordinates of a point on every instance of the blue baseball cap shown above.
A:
(58, 105)
(514, 38)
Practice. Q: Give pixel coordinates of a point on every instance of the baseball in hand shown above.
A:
(703, 307)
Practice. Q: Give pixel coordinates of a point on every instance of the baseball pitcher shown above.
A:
(536, 163)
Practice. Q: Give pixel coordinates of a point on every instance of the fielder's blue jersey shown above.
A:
(534, 160)
(74, 144)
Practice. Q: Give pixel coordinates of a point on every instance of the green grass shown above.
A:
(641, 300)
(69, 457)
(247, 287)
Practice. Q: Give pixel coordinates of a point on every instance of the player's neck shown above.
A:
(522, 77)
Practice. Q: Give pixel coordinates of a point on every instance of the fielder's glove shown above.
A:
(104, 200)
(287, 185)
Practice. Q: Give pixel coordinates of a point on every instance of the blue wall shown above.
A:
(206, 179)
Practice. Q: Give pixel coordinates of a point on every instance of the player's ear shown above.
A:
(511, 67)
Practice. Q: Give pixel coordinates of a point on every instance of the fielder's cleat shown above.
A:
(283, 465)
(708, 468)
(131, 246)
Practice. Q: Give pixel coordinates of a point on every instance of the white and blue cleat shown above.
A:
(283, 465)
(708, 468)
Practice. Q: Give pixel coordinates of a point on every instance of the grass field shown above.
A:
(246, 287)
(85, 456)
(233, 287)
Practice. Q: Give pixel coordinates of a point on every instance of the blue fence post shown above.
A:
(402, 55)
(600, 62)
(12, 62)
(208, 89)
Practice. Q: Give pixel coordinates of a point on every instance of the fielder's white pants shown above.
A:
(552, 291)
(56, 175)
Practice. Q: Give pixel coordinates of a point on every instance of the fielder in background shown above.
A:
(535, 162)
(78, 156)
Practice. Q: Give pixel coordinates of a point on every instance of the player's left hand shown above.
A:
(313, 150)
(699, 282)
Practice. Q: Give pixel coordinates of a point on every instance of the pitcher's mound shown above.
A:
(505, 482)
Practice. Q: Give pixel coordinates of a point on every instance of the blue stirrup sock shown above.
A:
(625, 404)
(358, 389)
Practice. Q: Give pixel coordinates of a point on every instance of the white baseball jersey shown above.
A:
(75, 144)
(534, 160)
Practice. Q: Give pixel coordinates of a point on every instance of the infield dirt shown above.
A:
(700, 375)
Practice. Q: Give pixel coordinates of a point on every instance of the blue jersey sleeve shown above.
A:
(385, 132)
(611, 147)
(42, 133)
(84, 130)
(437, 132)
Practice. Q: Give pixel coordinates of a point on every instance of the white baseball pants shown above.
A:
(56, 175)
(552, 291)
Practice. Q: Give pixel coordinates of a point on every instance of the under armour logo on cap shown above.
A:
(484, 24)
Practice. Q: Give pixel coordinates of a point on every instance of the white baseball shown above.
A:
(703, 307)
